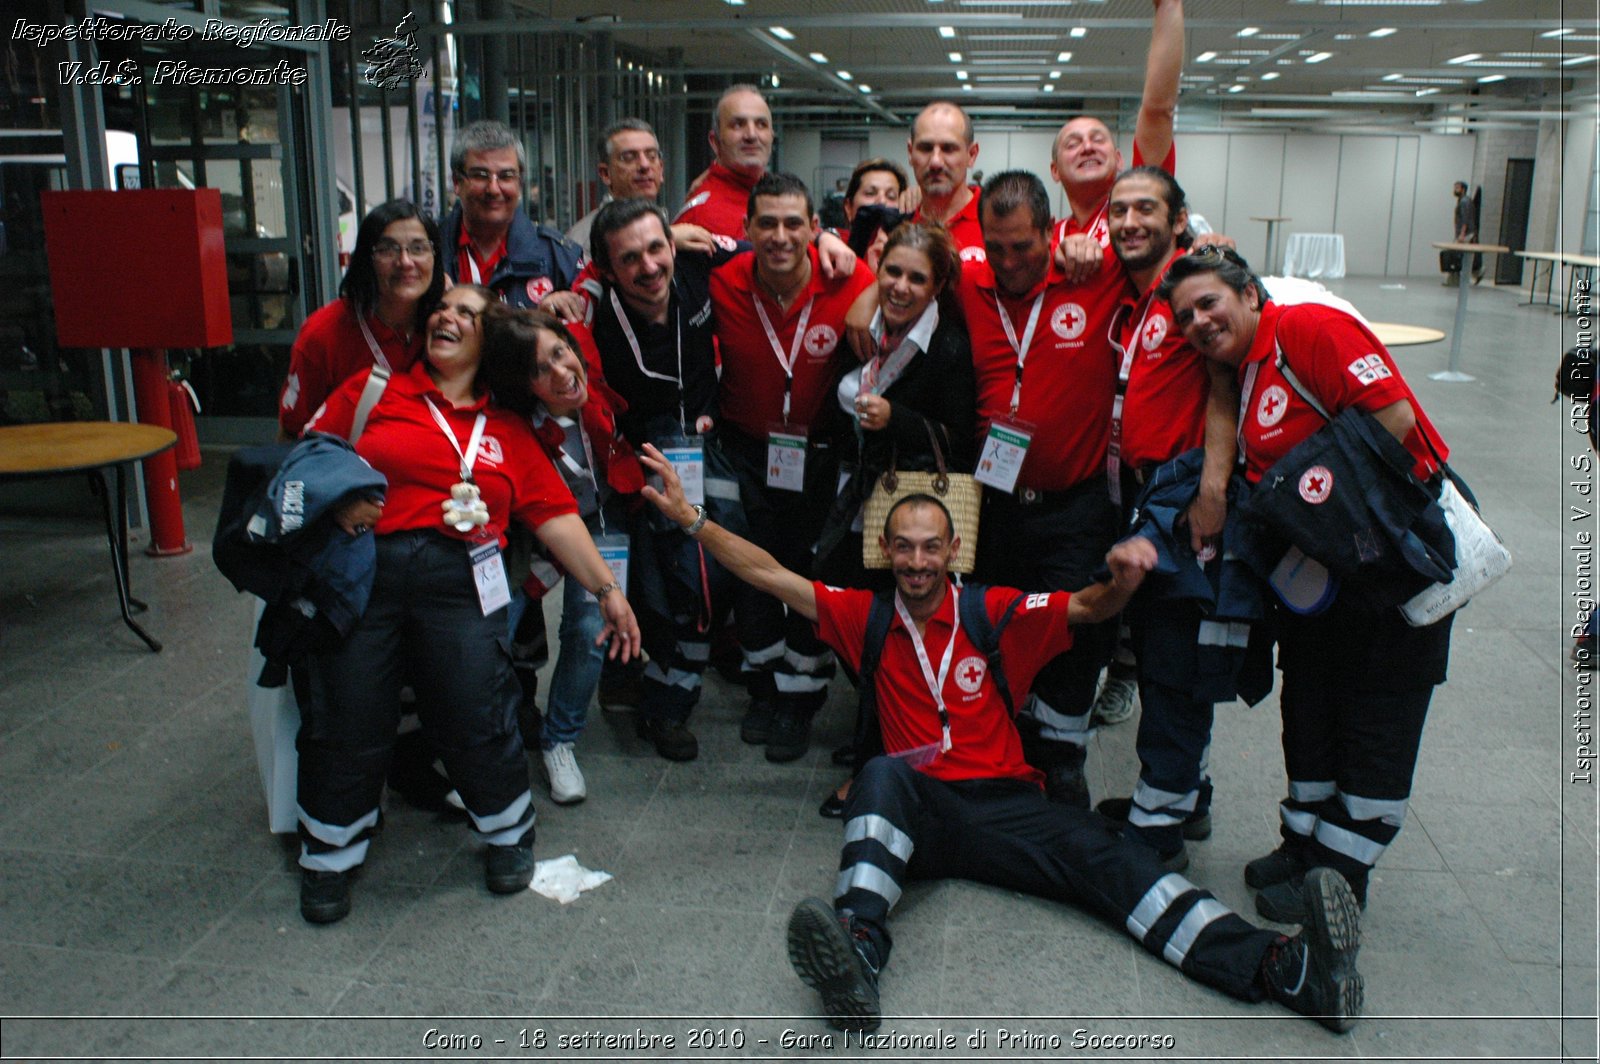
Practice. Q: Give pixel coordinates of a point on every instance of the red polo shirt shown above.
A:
(405, 444)
(328, 351)
(965, 228)
(1338, 360)
(720, 203)
(983, 742)
(466, 255)
(1068, 380)
(751, 393)
(1164, 407)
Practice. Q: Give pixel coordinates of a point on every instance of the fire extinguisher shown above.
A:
(185, 404)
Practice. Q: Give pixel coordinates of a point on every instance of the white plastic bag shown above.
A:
(274, 721)
(1481, 559)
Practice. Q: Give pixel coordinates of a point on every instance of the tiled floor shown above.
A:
(140, 881)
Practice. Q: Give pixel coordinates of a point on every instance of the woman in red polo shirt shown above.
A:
(1356, 680)
(460, 469)
(394, 279)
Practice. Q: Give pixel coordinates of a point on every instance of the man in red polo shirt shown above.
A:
(952, 797)
(778, 324)
(1046, 382)
(1171, 401)
(742, 143)
(941, 150)
(1085, 159)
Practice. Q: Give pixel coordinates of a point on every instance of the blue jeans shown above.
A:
(577, 671)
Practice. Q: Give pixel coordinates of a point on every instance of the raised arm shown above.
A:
(744, 559)
(1152, 132)
(1129, 561)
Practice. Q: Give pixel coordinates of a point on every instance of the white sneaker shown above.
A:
(1114, 703)
(566, 782)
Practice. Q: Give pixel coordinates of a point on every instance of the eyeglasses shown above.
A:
(389, 250)
(479, 176)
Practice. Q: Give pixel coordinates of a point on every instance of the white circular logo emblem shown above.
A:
(538, 287)
(1269, 411)
(1155, 331)
(821, 340)
(969, 673)
(1316, 484)
(1068, 321)
(489, 450)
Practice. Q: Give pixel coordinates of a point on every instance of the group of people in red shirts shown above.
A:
(753, 377)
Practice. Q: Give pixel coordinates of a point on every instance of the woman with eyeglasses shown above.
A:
(460, 470)
(1357, 680)
(394, 279)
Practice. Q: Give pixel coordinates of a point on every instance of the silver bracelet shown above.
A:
(602, 592)
(699, 522)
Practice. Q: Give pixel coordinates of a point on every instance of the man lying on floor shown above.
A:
(952, 795)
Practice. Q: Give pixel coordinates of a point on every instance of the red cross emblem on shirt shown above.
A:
(969, 673)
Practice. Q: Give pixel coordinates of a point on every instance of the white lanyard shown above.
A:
(638, 355)
(472, 265)
(470, 456)
(1124, 371)
(1245, 390)
(935, 683)
(572, 463)
(372, 345)
(1021, 348)
(777, 348)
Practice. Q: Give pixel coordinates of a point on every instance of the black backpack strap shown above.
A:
(985, 634)
(869, 738)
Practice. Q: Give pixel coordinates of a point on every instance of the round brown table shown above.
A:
(98, 449)
(1394, 334)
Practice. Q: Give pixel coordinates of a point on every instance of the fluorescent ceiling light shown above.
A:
(1064, 57)
(1248, 31)
(947, 32)
(1235, 88)
(955, 57)
(845, 75)
(818, 57)
(1079, 31)
(1490, 79)
(966, 88)
(1344, 36)
(1205, 57)
(782, 34)
(1392, 77)
(1557, 33)
(1054, 74)
(734, 3)
(1319, 57)
(1526, 63)
(1270, 76)
(864, 87)
(1574, 61)
(1049, 88)
(961, 75)
(1383, 31)
(1426, 92)
(1006, 77)
(1469, 57)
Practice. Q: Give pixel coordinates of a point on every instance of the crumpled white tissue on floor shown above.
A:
(563, 878)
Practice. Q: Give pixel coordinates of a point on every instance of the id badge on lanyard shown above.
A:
(1005, 448)
(786, 458)
(688, 457)
(489, 577)
(613, 550)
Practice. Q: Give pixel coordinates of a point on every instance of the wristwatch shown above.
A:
(699, 521)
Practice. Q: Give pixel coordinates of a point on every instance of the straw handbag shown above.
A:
(960, 493)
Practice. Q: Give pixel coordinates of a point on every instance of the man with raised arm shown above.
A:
(952, 797)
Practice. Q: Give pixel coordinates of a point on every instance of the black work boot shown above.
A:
(1279, 866)
(1314, 973)
(325, 896)
(836, 955)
